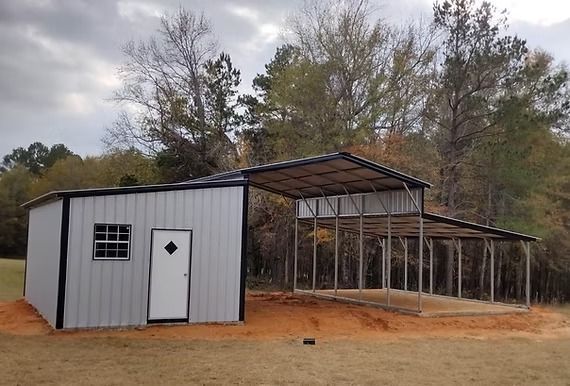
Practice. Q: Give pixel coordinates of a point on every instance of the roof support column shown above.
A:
(404, 242)
(490, 246)
(296, 253)
(335, 212)
(405, 263)
(526, 248)
(420, 246)
(383, 244)
(421, 262)
(315, 254)
(458, 247)
(360, 210)
(389, 268)
(336, 254)
(315, 214)
(429, 243)
(361, 256)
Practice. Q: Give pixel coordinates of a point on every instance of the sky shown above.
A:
(59, 58)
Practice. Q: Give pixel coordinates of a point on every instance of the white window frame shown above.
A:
(111, 238)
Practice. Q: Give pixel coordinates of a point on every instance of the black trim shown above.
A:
(166, 321)
(169, 320)
(244, 225)
(62, 263)
(131, 189)
(93, 258)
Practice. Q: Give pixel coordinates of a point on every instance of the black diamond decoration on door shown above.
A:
(171, 248)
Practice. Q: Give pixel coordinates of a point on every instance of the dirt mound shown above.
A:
(20, 318)
(278, 315)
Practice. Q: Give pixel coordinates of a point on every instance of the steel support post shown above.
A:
(383, 263)
(361, 255)
(421, 263)
(336, 255)
(527, 250)
(389, 268)
(405, 263)
(296, 252)
(335, 212)
(492, 268)
(430, 246)
(315, 255)
(459, 270)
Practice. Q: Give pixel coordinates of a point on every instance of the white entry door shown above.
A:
(169, 275)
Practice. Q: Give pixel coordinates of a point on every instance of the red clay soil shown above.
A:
(286, 316)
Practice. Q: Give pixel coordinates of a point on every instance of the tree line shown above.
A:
(455, 100)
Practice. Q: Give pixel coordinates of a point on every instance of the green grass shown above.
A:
(11, 279)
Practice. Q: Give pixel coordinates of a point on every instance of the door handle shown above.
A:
(185, 274)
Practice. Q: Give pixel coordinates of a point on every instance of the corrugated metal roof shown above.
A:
(57, 194)
(330, 174)
(435, 226)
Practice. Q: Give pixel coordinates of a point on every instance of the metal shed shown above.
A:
(177, 252)
(131, 256)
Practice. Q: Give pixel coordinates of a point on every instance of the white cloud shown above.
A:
(543, 12)
(134, 10)
(540, 12)
(266, 32)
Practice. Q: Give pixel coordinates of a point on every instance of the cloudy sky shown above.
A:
(58, 58)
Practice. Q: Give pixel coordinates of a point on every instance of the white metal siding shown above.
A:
(396, 201)
(115, 293)
(42, 270)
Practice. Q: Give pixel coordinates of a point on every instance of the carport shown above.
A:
(345, 193)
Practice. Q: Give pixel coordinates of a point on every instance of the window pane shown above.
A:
(106, 241)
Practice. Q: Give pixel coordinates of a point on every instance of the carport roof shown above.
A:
(329, 175)
(435, 226)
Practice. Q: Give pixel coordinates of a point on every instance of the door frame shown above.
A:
(167, 320)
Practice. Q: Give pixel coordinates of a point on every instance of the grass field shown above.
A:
(75, 359)
(11, 279)
(57, 360)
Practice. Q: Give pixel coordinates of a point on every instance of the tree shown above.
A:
(184, 97)
(36, 158)
(119, 168)
(344, 79)
(479, 66)
(127, 168)
(14, 191)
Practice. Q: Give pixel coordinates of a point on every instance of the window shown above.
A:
(112, 242)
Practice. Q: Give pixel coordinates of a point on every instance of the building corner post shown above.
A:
(528, 274)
